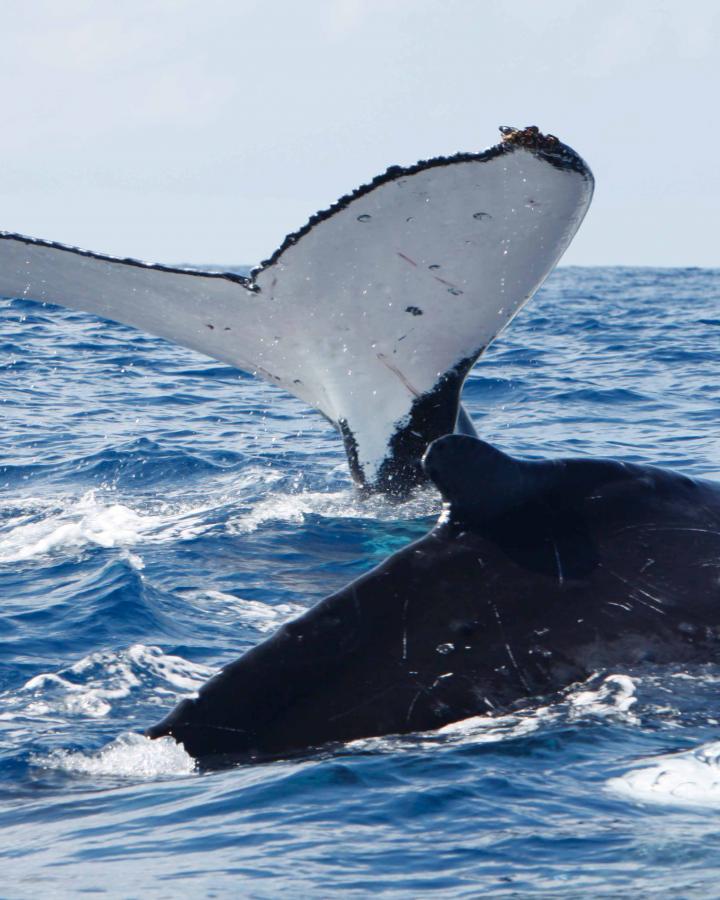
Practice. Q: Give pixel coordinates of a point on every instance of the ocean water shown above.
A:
(161, 513)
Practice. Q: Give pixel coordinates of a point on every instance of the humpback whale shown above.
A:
(374, 312)
(537, 575)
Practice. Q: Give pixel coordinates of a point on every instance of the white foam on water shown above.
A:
(129, 755)
(90, 686)
(475, 730)
(81, 523)
(611, 698)
(488, 729)
(135, 562)
(261, 616)
(62, 525)
(702, 677)
(293, 508)
(683, 780)
(614, 698)
(72, 525)
(181, 674)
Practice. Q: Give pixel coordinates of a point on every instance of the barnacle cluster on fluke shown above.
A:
(530, 136)
(547, 146)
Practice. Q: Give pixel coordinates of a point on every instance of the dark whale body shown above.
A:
(538, 574)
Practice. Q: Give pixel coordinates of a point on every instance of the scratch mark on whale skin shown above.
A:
(561, 579)
(407, 259)
(412, 704)
(636, 589)
(386, 362)
(436, 706)
(508, 648)
(653, 526)
(366, 702)
(404, 627)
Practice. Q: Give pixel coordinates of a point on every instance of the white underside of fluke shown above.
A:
(364, 311)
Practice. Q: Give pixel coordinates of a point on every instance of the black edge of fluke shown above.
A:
(126, 260)
(546, 147)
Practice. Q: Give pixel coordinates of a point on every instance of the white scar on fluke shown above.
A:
(374, 312)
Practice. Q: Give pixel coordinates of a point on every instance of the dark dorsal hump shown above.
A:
(478, 481)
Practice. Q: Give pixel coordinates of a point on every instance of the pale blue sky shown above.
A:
(204, 131)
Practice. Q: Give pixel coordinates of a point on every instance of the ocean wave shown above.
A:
(689, 779)
(262, 617)
(89, 521)
(62, 525)
(90, 687)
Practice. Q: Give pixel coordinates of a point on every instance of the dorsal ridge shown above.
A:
(476, 480)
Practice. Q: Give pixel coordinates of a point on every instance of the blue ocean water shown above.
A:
(161, 513)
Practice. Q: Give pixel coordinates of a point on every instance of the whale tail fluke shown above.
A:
(375, 311)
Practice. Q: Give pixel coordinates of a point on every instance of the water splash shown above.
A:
(130, 756)
(65, 525)
(612, 698)
(347, 504)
